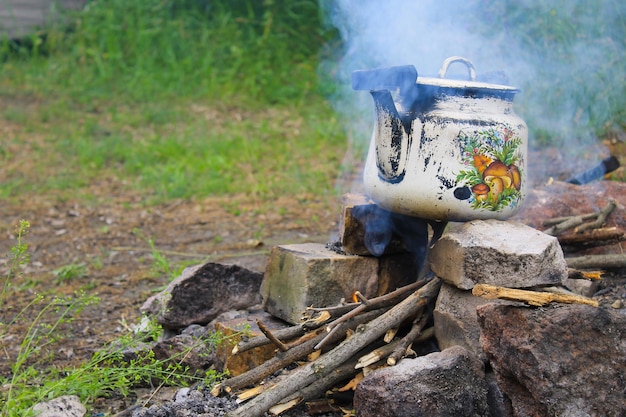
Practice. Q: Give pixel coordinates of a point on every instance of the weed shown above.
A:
(69, 272)
(18, 257)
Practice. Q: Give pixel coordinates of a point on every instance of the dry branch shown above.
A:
(377, 302)
(283, 359)
(564, 223)
(534, 298)
(405, 343)
(604, 213)
(595, 236)
(611, 261)
(268, 333)
(327, 363)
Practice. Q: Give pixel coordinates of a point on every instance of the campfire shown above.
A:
(337, 345)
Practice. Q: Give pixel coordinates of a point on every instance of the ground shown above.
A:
(107, 245)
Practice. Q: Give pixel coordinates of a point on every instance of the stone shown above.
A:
(308, 274)
(560, 199)
(233, 330)
(584, 287)
(202, 292)
(450, 383)
(357, 210)
(567, 360)
(65, 406)
(456, 323)
(495, 252)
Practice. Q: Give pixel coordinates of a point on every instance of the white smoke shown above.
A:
(567, 56)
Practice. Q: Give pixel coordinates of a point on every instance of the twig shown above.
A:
(282, 359)
(556, 220)
(268, 333)
(557, 229)
(604, 213)
(576, 222)
(416, 330)
(377, 302)
(610, 261)
(590, 237)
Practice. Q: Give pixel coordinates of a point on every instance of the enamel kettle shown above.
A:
(444, 149)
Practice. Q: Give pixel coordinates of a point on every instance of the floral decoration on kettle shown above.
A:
(493, 157)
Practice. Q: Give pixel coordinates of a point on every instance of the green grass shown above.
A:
(174, 99)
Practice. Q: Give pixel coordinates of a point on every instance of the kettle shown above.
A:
(444, 149)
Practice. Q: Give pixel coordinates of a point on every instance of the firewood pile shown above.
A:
(337, 345)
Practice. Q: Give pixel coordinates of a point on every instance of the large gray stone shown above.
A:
(499, 253)
(558, 361)
(450, 383)
(202, 292)
(308, 274)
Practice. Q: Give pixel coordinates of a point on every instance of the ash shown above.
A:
(200, 403)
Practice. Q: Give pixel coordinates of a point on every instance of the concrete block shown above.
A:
(496, 252)
(302, 275)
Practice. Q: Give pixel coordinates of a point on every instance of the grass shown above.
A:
(108, 371)
(175, 99)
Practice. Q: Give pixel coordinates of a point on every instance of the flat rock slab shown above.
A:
(495, 252)
(450, 383)
(558, 361)
(202, 292)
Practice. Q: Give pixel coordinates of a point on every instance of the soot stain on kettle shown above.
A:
(445, 182)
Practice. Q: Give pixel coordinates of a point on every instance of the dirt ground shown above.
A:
(109, 241)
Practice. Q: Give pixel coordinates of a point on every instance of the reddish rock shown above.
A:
(561, 199)
(558, 361)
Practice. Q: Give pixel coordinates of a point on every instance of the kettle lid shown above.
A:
(467, 85)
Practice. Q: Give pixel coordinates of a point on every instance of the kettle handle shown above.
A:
(453, 59)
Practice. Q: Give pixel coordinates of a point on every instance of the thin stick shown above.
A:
(373, 303)
(557, 220)
(327, 363)
(268, 333)
(416, 330)
(611, 261)
(604, 213)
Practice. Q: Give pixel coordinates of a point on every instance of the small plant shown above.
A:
(69, 272)
(18, 257)
(161, 264)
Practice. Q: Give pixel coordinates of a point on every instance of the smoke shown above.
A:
(567, 56)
